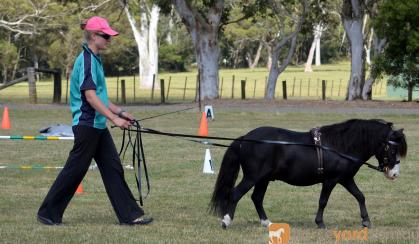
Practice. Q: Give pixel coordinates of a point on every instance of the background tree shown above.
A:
(243, 40)
(322, 14)
(352, 17)
(373, 46)
(290, 17)
(176, 52)
(145, 36)
(202, 20)
(398, 22)
(355, 15)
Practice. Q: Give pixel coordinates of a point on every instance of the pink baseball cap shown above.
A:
(97, 23)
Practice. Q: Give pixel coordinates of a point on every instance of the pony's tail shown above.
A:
(227, 176)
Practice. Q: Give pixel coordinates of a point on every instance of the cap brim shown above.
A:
(110, 32)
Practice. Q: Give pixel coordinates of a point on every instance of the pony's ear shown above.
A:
(401, 130)
(390, 124)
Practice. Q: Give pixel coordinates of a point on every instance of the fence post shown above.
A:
(57, 86)
(117, 87)
(184, 87)
(232, 88)
(340, 83)
(162, 99)
(308, 92)
(317, 88)
(134, 87)
(293, 87)
(197, 88)
(301, 85)
(168, 88)
(67, 77)
(152, 87)
(266, 86)
(284, 89)
(331, 89)
(254, 89)
(323, 90)
(123, 97)
(32, 84)
(221, 91)
(243, 84)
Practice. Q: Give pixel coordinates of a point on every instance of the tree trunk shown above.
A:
(410, 91)
(36, 66)
(146, 39)
(367, 47)
(269, 52)
(4, 73)
(352, 18)
(357, 80)
(342, 41)
(207, 56)
(378, 47)
(272, 78)
(16, 64)
(310, 56)
(204, 34)
(236, 54)
(146, 74)
(318, 62)
(276, 68)
(253, 63)
(152, 41)
(169, 38)
(315, 47)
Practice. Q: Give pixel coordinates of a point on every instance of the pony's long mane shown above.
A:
(356, 135)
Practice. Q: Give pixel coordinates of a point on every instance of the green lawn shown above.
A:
(300, 85)
(181, 193)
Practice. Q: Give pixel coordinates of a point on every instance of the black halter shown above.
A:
(387, 145)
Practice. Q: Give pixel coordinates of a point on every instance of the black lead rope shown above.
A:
(138, 149)
(136, 143)
(206, 142)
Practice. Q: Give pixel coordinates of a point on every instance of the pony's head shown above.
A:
(391, 151)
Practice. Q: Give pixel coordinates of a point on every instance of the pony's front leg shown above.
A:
(351, 186)
(327, 188)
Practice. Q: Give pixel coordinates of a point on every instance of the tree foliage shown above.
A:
(398, 22)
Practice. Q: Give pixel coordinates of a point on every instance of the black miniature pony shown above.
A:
(267, 154)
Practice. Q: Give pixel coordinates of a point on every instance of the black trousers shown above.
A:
(91, 143)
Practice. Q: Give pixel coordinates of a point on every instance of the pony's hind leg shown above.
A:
(237, 193)
(257, 198)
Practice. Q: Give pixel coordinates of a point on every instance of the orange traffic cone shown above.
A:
(79, 189)
(5, 123)
(203, 127)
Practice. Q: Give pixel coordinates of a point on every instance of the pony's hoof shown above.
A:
(366, 223)
(321, 226)
(265, 222)
(226, 221)
(224, 226)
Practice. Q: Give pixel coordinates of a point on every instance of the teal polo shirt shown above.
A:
(87, 75)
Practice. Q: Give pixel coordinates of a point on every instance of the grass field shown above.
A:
(181, 193)
(300, 85)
